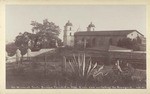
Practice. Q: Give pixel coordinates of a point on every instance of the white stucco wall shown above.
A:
(133, 35)
(68, 37)
(90, 28)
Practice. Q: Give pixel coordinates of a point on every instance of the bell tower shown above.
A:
(68, 37)
(91, 27)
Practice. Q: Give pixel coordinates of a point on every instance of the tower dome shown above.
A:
(91, 27)
(68, 23)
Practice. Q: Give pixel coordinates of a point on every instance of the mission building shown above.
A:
(97, 39)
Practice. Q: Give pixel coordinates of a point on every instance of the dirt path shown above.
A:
(33, 54)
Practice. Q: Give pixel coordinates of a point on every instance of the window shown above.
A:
(101, 41)
(110, 41)
(88, 43)
(93, 42)
(82, 39)
(70, 28)
(70, 34)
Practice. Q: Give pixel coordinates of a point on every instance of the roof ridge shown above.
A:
(110, 32)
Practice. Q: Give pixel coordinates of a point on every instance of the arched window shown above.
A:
(82, 39)
(93, 42)
(88, 43)
(110, 41)
(70, 28)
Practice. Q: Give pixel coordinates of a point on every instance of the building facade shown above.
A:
(97, 39)
(104, 38)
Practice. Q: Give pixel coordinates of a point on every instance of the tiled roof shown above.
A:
(113, 32)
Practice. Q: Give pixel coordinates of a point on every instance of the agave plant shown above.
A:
(82, 68)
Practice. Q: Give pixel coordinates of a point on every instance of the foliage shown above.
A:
(21, 42)
(80, 72)
(46, 33)
(27, 76)
(121, 75)
(22, 39)
(11, 49)
(46, 26)
(82, 69)
(79, 45)
(125, 42)
(130, 44)
(45, 37)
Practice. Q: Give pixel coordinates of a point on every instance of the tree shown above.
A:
(23, 39)
(21, 42)
(130, 44)
(46, 33)
(125, 43)
(139, 40)
(11, 49)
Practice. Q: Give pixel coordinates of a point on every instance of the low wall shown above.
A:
(137, 59)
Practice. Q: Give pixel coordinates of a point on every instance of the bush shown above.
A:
(121, 75)
(82, 70)
(11, 49)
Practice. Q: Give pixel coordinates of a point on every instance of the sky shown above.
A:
(104, 17)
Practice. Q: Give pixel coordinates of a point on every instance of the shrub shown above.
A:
(121, 75)
(82, 70)
(11, 49)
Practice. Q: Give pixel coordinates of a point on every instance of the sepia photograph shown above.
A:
(75, 47)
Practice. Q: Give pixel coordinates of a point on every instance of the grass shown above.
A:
(78, 72)
(36, 78)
